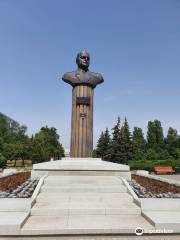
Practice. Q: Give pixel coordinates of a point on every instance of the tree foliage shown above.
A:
(45, 144)
(16, 144)
(120, 147)
(138, 144)
(155, 137)
(123, 147)
(3, 161)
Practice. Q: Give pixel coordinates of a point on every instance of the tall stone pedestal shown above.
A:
(82, 122)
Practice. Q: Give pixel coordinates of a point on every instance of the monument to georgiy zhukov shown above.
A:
(83, 82)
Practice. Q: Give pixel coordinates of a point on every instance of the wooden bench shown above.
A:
(163, 169)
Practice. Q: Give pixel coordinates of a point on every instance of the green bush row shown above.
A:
(149, 165)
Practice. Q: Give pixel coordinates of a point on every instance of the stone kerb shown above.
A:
(131, 192)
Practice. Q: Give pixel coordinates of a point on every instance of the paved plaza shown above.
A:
(175, 177)
(157, 237)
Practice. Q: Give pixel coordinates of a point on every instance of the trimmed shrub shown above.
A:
(149, 165)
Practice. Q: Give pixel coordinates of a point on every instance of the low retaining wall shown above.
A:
(156, 184)
(153, 204)
(11, 182)
(21, 204)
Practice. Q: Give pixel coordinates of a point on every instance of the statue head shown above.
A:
(83, 60)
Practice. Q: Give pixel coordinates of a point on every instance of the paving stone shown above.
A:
(169, 220)
(11, 222)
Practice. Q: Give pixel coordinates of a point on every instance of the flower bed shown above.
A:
(25, 190)
(18, 185)
(150, 186)
(11, 182)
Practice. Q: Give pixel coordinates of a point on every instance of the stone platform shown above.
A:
(81, 197)
(81, 166)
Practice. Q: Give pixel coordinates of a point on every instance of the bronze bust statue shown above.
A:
(83, 82)
(82, 76)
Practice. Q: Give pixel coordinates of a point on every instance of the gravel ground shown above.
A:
(25, 190)
(143, 192)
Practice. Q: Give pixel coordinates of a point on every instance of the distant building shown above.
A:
(67, 152)
(14, 125)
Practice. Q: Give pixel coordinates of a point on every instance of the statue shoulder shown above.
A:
(69, 77)
(98, 78)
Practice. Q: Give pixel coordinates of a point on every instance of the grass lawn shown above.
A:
(19, 164)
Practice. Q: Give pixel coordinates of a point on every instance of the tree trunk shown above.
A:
(14, 162)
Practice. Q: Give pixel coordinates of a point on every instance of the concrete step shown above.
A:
(84, 224)
(98, 180)
(87, 207)
(59, 183)
(11, 222)
(84, 188)
(169, 220)
(82, 197)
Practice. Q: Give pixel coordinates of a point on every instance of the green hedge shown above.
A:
(149, 165)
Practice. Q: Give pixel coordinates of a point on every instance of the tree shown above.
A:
(114, 149)
(120, 147)
(138, 144)
(171, 142)
(163, 154)
(155, 137)
(46, 144)
(126, 144)
(3, 161)
(5, 133)
(103, 144)
(99, 151)
(107, 140)
(13, 151)
(151, 154)
(15, 144)
(4, 128)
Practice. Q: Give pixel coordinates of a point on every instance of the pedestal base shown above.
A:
(81, 166)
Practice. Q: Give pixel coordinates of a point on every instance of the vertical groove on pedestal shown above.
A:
(88, 126)
(73, 120)
(79, 125)
(75, 124)
(82, 127)
(84, 139)
(91, 148)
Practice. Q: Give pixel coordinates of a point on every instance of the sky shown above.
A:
(134, 44)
